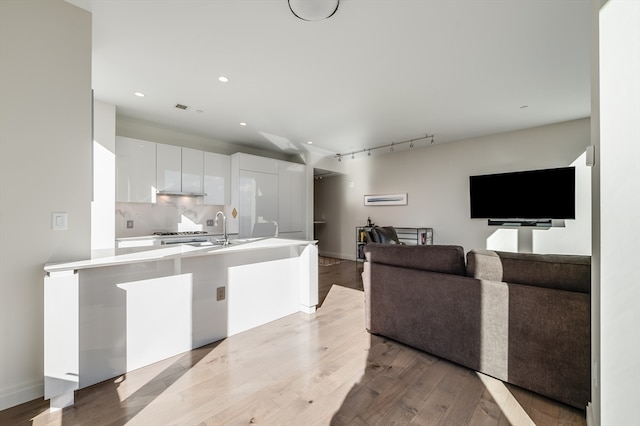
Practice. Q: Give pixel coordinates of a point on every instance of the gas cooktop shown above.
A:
(164, 233)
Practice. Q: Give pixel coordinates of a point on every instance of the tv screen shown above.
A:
(533, 194)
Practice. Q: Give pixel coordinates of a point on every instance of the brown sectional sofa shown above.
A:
(519, 317)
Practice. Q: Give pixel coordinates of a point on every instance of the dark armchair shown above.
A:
(383, 234)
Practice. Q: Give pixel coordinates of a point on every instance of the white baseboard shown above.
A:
(590, 420)
(17, 395)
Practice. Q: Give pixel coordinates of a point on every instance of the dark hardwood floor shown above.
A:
(319, 369)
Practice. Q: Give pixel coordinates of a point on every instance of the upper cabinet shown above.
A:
(217, 177)
(169, 168)
(144, 168)
(135, 170)
(179, 170)
(192, 170)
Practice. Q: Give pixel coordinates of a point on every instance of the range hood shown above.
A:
(182, 194)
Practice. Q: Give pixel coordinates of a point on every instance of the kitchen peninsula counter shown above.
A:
(129, 308)
(110, 257)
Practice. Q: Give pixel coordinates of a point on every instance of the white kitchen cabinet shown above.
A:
(192, 170)
(179, 170)
(169, 168)
(254, 194)
(258, 203)
(217, 177)
(291, 197)
(267, 193)
(135, 170)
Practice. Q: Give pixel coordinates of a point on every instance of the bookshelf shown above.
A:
(406, 235)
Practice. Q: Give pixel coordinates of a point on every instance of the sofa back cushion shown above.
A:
(562, 272)
(444, 259)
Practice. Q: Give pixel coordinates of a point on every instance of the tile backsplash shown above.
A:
(169, 213)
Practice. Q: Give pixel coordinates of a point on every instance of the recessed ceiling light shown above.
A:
(243, 124)
(223, 79)
(139, 94)
(310, 142)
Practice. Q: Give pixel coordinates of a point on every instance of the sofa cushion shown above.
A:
(562, 272)
(444, 259)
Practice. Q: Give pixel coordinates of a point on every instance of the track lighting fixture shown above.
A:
(391, 147)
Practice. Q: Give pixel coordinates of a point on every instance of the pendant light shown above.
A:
(313, 10)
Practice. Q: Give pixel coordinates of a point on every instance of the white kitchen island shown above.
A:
(110, 315)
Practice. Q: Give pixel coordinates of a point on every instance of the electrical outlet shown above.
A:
(220, 293)
(129, 224)
(209, 222)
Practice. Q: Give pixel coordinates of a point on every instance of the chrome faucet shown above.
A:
(224, 224)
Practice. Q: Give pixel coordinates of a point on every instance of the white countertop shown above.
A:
(158, 237)
(144, 254)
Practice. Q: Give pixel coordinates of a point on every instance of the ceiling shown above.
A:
(376, 72)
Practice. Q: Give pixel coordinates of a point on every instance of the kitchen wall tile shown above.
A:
(169, 213)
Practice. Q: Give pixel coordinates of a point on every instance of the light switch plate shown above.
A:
(59, 221)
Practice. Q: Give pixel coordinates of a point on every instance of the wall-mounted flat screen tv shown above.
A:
(532, 194)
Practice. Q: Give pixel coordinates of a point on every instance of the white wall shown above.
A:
(45, 167)
(593, 409)
(104, 176)
(138, 129)
(436, 180)
(620, 213)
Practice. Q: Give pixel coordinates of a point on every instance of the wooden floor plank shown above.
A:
(318, 369)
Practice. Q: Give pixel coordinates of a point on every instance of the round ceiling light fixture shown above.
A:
(313, 10)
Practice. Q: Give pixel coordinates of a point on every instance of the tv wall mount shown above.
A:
(538, 223)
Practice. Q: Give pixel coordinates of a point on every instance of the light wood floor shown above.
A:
(320, 369)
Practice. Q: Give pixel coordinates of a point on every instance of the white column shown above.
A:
(61, 337)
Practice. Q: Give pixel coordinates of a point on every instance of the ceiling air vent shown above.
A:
(180, 106)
